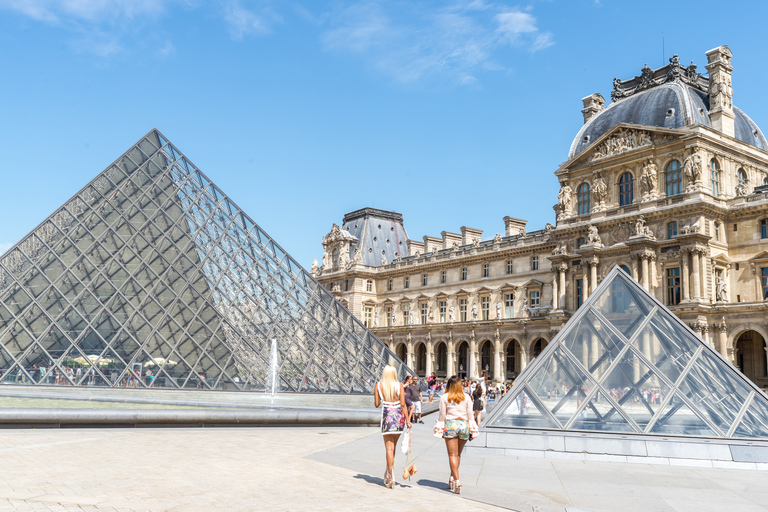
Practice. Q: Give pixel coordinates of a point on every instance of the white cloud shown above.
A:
(410, 42)
(249, 18)
(93, 11)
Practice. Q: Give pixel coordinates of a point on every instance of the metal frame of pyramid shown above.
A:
(150, 276)
(625, 364)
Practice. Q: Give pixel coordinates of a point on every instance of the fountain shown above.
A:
(273, 366)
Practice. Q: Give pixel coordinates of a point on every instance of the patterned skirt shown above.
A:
(392, 418)
(456, 429)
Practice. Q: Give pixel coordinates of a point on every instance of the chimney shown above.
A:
(720, 90)
(592, 105)
(469, 235)
(513, 226)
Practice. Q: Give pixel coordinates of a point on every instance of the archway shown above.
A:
(402, 352)
(441, 364)
(486, 358)
(513, 359)
(421, 360)
(751, 357)
(538, 347)
(462, 362)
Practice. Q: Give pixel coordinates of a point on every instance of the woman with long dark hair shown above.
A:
(457, 425)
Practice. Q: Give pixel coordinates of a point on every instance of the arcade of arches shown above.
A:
(503, 359)
(751, 355)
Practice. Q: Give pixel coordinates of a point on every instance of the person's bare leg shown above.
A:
(390, 442)
(452, 445)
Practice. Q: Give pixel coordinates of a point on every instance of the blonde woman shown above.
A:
(390, 395)
(456, 425)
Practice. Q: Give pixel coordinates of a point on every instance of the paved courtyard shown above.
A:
(338, 469)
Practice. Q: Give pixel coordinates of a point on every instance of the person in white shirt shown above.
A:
(456, 425)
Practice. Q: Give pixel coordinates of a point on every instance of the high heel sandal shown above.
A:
(456, 487)
(389, 479)
(451, 483)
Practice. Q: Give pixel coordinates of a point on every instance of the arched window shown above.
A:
(673, 177)
(672, 230)
(582, 199)
(742, 177)
(714, 177)
(369, 285)
(626, 189)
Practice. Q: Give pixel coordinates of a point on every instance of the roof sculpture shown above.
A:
(152, 269)
(625, 364)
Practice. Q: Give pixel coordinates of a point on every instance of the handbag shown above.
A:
(439, 429)
(407, 448)
(406, 445)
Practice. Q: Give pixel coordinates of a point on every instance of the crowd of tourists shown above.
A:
(462, 403)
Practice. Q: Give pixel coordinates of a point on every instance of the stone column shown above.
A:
(684, 275)
(695, 278)
(430, 358)
(646, 281)
(592, 276)
(562, 288)
(652, 273)
(498, 371)
(703, 273)
(633, 269)
(409, 354)
(449, 346)
(472, 370)
(722, 339)
(523, 356)
(555, 292)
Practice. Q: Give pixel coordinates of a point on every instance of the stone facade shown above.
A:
(683, 210)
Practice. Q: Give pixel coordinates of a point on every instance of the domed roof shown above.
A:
(670, 97)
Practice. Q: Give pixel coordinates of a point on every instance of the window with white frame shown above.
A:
(535, 299)
(534, 263)
(714, 177)
(486, 270)
(443, 306)
(369, 285)
(672, 230)
(626, 189)
(509, 305)
(443, 276)
(463, 273)
(424, 309)
(673, 286)
(673, 178)
(463, 310)
(389, 316)
(583, 206)
(389, 285)
(407, 282)
(424, 280)
(368, 316)
(510, 266)
(485, 307)
(406, 312)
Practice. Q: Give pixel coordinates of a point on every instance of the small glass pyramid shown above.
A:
(624, 363)
(151, 276)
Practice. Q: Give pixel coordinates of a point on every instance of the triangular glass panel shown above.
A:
(666, 345)
(600, 414)
(560, 384)
(622, 304)
(754, 423)
(593, 343)
(677, 418)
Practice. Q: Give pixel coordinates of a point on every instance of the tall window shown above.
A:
(443, 305)
(406, 312)
(583, 205)
(714, 177)
(764, 282)
(717, 231)
(485, 307)
(534, 263)
(673, 176)
(764, 228)
(369, 286)
(510, 266)
(389, 285)
(486, 270)
(424, 309)
(626, 189)
(672, 230)
(535, 300)
(407, 282)
(424, 280)
(389, 316)
(509, 305)
(368, 316)
(463, 273)
(579, 293)
(443, 276)
(463, 310)
(673, 286)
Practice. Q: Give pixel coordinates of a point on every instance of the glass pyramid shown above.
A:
(624, 363)
(151, 276)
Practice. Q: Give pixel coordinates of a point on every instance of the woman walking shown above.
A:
(457, 426)
(390, 395)
(477, 403)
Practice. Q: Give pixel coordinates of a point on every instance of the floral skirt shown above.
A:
(456, 429)
(392, 418)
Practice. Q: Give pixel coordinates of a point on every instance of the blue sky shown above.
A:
(453, 113)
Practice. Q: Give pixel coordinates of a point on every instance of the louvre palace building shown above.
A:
(669, 181)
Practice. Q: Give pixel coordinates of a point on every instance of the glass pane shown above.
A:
(754, 423)
(622, 304)
(593, 344)
(667, 345)
(636, 388)
(600, 414)
(676, 418)
(715, 390)
(560, 385)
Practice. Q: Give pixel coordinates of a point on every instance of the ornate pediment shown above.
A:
(622, 140)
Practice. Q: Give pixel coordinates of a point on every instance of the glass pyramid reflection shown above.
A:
(624, 363)
(151, 276)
